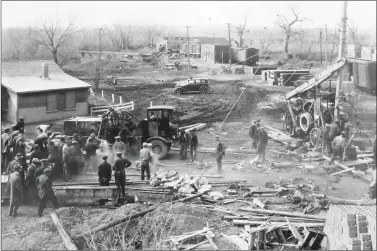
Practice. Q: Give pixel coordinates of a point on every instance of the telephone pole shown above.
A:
(320, 44)
(326, 44)
(188, 45)
(230, 45)
(98, 69)
(342, 53)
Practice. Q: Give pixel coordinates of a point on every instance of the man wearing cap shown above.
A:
(145, 157)
(338, 145)
(40, 168)
(335, 131)
(220, 153)
(183, 144)
(119, 146)
(94, 139)
(326, 143)
(193, 145)
(59, 155)
(120, 175)
(30, 180)
(45, 191)
(261, 136)
(36, 153)
(104, 172)
(91, 153)
(6, 155)
(16, 191)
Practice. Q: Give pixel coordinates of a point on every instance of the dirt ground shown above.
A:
(258, 101)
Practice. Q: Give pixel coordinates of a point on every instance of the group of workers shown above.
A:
(259, 139)
(187, 140)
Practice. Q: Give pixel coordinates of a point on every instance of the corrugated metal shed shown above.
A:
(25, 77)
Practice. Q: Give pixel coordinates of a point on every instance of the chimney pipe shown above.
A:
(45, 71)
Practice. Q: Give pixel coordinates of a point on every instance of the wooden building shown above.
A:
(40, 91)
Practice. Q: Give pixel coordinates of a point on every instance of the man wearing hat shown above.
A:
(16, 191)
(30, 180)
(104, 172)
(145, 158)
(183, 144)
(40, 168)
(338, 145)
(220, 153)
(326, 143)
(14, 163)
(94, 139)
(65, 152)
(120, 175)
(45, 191)
(119, 146)
(261, 136)
(20, 125)
(335, 130)
(252, 132)
(75, 157)
(5, 149)
(193, 145)
(36, 153)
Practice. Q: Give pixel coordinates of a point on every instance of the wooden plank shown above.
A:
(283, 213)
(344, 171)
(196, 245)
(213, 244)
(294, 231)
(241, 243)
(69, 245)
(296, 224)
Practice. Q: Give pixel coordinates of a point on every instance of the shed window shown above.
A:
(81, 96)
(52, 102)
(70, 100)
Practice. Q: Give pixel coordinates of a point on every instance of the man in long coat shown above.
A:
(16, 191)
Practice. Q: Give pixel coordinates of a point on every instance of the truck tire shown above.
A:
(203, 89)
(159, 148)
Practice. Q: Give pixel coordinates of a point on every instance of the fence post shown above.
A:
(113, 97)
(102, 94)
(133, 105)
(120, 100)
(150, 104)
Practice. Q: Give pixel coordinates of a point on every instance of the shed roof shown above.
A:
(160, 107)
(25, 77)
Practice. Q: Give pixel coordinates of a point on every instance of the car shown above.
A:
(170, 67)
(193, 85)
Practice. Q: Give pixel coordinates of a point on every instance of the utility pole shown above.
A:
(326, 45)
(98, 69)
(230, 45)
(188, 45)
(320, 44)
(342, 53)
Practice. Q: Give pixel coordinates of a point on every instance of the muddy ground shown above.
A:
(258, 101)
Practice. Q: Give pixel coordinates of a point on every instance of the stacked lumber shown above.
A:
(351, 227)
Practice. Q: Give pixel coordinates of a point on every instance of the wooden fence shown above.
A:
(96, 110)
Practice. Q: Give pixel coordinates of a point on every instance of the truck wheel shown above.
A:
(178, 91)
(159, 148)
(203, 89)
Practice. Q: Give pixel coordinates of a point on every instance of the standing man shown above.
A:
(36, 153)
(74, 158)
(220, 153)
(335, 131)
(41, 168)
(30, 180)
(20, 125)
(119, 146)
(193, 145)
(66, 170)
(6, 155)
(262, 139)
(145, 157)
(326, 143)
(16, 162)
(338, 145)
(183, 144)
(94, 139)
(46, 192)
(91, 153)
(16, 191)
(104, 172)
(120, 175)
(59, 164)
(252, 132)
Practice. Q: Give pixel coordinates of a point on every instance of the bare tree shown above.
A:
(151, 34)
(287, 27)
(121, 36)
(356, 45)
(240, 32)
(16, 39)
(53, 37)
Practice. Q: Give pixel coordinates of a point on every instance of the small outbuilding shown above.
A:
(40, 91)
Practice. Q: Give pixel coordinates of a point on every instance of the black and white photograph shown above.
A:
(188, 125)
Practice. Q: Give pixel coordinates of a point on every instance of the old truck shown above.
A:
(310, 106)
(156, 128)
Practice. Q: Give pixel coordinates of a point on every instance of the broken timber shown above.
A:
(261, 211)
(127, 218)
(346, 168)
(69, 245)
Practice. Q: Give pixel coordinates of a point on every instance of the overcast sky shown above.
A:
(195, 13)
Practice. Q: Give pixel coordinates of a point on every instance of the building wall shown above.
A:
(39, 114)
(11, 114)
(208, 52)
(364, 75)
